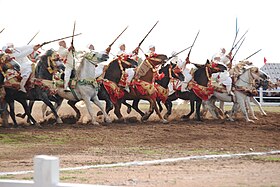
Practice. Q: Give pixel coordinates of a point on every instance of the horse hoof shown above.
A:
(38, 125)
(108, 120)
(99, 113)
(164, 121)
(59, 121)
(250, 121)
(128, 110)
(166, 116)
(20, 115)
(95, 123)
(185, 117)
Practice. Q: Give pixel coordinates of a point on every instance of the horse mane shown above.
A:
(81, 66)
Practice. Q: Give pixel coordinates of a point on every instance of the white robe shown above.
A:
(20, 54)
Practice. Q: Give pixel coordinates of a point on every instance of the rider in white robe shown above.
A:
(21, 56)
(223, 77)
(68, 59)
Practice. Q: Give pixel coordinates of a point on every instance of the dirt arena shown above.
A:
(80, 144)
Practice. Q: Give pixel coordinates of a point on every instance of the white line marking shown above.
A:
(153, 162)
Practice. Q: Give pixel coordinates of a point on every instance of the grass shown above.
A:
(266, 158)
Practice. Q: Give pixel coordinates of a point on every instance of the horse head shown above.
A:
(176, 72)
(157, 59)
(215, 67)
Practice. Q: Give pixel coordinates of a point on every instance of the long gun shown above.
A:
(147, 34)
(238, 41)
(117, 37)
(236, 52)
(73, 34)
(33, 38)
(59, 39)
(178, 53)
(236, 33)
(252, 54)
(2, 30)
(193, 44)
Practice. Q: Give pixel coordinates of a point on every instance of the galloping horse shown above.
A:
(171, 72)
(86, 89)
(12, 94)
(244, 87)
(198, 89)
(44, 72)
(141, 87)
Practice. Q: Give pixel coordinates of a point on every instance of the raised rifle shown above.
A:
(33, 38)
(44, 43)
(238, 41)
(147, 34)
(117, 37)
(193, 44)
(230, 64)
(253, 54)
(2, 30)
(178, 53)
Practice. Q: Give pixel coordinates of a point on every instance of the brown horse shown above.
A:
(141, 87)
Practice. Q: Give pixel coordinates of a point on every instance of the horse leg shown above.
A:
(12, 112)
(241, 101)
(73, 105)
(158, 112)
(159, 105)
(198, 105)
(184, 117)
(135, 105)
(117, 110)
(103, 95)
(250, 108)
(259, 106)
(22, 115)
(168, 104)
(49, 104)
(90, 109)
(28, 113)
(100, 106)
(128, 110)
(146, 116)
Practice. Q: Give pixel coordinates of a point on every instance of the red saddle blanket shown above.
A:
(202, 92)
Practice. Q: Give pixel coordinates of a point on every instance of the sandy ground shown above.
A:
(79, 144)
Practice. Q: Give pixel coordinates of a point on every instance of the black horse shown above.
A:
(34, 93)
(201, 77)
(45, 70)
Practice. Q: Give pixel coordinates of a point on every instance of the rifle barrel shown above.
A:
(253, 54)
(147, 34)
(60, 39)
(118, 37)
(193, 43)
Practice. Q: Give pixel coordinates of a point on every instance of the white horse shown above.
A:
(244, 83)
(86, 89)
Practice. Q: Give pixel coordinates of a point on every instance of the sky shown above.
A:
(100, 22)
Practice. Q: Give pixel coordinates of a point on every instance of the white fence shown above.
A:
(272, 100)
(46, 174)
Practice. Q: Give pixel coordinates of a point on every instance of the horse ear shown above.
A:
(207, 61)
